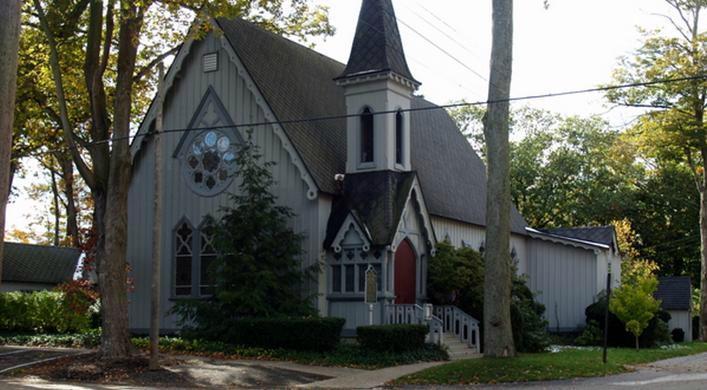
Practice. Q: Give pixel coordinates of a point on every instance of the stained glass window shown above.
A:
(183, 260)
(210, 162)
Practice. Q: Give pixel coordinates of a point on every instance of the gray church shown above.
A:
(378, 187)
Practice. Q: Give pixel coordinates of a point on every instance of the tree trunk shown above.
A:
(9, 47)
(57, 210)
(637, 344)
(498, 334)
(112, 271)
(72, 223)
(703, 251)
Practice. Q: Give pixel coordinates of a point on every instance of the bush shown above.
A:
(529, 327)
(300, 334)
(591, 335)
(41, 311)
(87, 339)
(678, 335)
(392, 338)
(655, 334)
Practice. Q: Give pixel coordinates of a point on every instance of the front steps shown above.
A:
(458, 350)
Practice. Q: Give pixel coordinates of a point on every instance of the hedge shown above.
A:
(299, 334)
(41, 312)
(392, 338)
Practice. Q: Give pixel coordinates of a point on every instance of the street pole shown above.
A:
(606, 313)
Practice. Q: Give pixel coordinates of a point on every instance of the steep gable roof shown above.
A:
(377, 46)
(675, 292)
(38, 264)
(297, 83)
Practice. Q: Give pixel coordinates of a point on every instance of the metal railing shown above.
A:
(461, 325)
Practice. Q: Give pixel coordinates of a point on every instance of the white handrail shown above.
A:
(461, 325)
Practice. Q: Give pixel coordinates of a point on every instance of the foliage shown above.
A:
(344, 355)
(258, 271)
(391, 338)
(566, 364)
(43, 311)
(302, 334)
(678, 335)
(655, 334)
(529, 326)
(456, 277)
(89, 338)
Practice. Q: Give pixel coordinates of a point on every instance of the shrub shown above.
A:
(300, 334)
(591, 335)
(529, 327)
(392, 338)
(678, 335)
(656, 333)
(41, 311)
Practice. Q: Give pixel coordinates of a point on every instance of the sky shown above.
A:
(572, 45)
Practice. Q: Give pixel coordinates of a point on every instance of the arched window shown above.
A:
(366, 136)
(183, 260)
(399, 137)
(207, 256)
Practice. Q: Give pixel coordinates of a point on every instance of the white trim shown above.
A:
(590, 245)
(313, 191)
(349, 222)
(426, 221)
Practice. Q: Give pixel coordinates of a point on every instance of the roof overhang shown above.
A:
(590, 245)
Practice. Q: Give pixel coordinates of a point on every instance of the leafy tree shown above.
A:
(121, 43)
(258, 271)
(633, 303)
(673, 129)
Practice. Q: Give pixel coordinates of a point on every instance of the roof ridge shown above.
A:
(44, 246)
(278, 37)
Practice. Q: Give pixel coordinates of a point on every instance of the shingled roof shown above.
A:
(377, 46)
(25, 263)
(675, 292)
(297, 83)
(599, 234)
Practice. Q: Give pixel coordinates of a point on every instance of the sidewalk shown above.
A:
(370, 379)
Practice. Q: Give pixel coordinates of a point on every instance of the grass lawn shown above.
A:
(566, 364)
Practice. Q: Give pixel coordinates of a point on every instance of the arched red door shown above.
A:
(405, 274)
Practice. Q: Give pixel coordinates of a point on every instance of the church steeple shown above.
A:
(377, 47)
(378, 87)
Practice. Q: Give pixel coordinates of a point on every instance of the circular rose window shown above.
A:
(210, 162)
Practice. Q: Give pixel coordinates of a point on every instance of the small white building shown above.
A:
(675, 294)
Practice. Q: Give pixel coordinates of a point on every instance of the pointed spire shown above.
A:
(377, 47)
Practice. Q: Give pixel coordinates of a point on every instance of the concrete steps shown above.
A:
(458, 350)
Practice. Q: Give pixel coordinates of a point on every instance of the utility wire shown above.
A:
(419, 109)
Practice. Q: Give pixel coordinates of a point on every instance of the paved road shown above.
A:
(16, 357)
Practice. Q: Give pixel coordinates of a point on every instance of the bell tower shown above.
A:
(378, 87)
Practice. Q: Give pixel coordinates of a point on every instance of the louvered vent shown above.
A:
(210, 62)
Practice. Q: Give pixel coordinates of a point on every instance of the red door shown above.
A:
(405, 274)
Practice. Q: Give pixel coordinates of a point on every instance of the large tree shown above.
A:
(498, 334)
(117, 78)
(673, 128)
(9, 42)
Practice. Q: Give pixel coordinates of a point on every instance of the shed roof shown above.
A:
(599, 234)
(38, 264)
(675, 292)
(297, 83)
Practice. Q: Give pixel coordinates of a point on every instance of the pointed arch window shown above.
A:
(207, 256)
(184, 256)
(399, 123)
(366, 135)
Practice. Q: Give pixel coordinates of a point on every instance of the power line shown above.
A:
(450, 37)
(419, 109)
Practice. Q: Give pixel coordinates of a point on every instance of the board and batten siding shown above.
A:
(180, 202)
(681, 319)
(564, 278)
(460, 234)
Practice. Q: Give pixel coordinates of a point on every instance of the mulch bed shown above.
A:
(91, 369)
